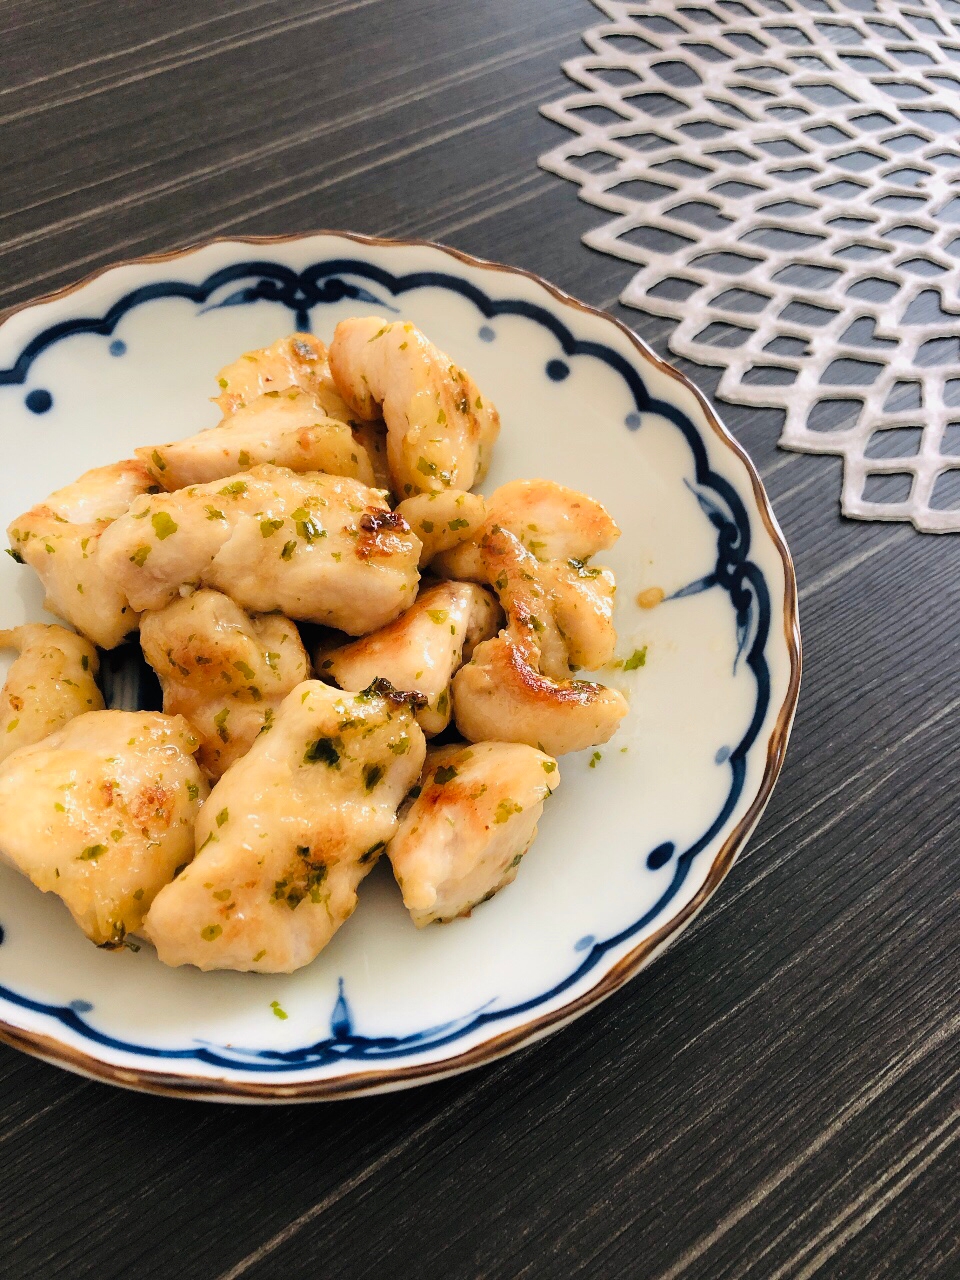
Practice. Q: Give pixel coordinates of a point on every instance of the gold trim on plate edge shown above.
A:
(171, 1084)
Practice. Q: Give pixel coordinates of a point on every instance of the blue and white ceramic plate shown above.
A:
(640, 833)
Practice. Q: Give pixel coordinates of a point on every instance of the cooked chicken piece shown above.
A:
(462, 839)
(290, 831)
(51, 682)
(101, 813)
(559, 529)
(60, 539)
(500, 692)
(581, 601)
(421, 650)
(299, 360)
(443, 520)
(288, 428)
(223, 670)
(440, 430)
(552, 521)
(566, 605)
(321, 548)
(100, 495)
(516, 687)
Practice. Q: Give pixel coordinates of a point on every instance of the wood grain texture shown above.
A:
(777, 1097)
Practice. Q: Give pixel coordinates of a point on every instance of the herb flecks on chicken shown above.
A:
(102, 814)
(422, 649)
(289, 832)
(60, 539)
(300, 360)
(464, 836)
(443, 520)
(226, 671)
(51, 682)
(318, 548)
(440, 428)
(288, 428)
(534, 550)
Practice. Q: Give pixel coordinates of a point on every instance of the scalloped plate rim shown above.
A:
(228, 1089)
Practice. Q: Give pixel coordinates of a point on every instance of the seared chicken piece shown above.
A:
(101, 813)
(297, 361)
(421, 650)
(60, 539)
(552, 521)
(462, 839)
(501, 692)
(559, 529)
(440, 430)
(290, 831)
(301, 361)
(581, 601)
(443, 520)
(288, 428)
(51, 682)
(320, 548)
(516, 687)
(223, 670)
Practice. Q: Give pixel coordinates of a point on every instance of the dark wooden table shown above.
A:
(777, 1097)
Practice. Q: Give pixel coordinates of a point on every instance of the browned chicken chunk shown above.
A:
(517, 687)
(60, 539)
(101, 813)
(440, 429)
(289, 832)
(422, 649)
(299, 360)
(318, 548)
(50, 683)
(223, 670)
(288, 428)
(464, 836)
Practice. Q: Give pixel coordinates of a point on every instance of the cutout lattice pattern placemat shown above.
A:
(786, 176)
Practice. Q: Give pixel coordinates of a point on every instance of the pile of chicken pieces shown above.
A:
(233, 829)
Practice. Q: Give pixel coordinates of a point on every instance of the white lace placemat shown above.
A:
(786, 176)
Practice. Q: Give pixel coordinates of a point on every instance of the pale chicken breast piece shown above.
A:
(224, 670)
(102, 814)
(501, 692)
(516, 687)
(49, 683)
(60, 539)
(559, 529)
(421, 650)
(300, 360)
(443, 520)
(318, 548)
(289, 832)
(464, 836)
(581, 599)
(440, 429)
(288, 428)
(550, 520)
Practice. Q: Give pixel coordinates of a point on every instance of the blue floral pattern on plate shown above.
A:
(331, 280)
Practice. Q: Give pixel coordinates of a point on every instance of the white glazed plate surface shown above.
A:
(633, 842)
